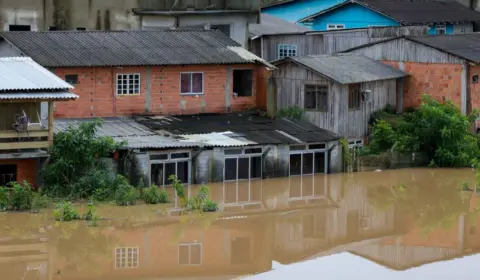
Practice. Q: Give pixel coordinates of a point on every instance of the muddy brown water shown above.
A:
(382, 224)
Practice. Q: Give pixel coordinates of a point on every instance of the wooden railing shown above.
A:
(14, 140)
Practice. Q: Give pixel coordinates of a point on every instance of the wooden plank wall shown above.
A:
(306, 45)
(291, 80)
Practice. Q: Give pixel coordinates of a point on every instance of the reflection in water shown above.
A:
(398, 219)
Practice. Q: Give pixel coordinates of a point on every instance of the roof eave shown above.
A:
(143, 12)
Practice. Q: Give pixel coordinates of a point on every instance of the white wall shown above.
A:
(238, 23)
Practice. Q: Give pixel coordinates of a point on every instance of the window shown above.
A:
(8, 174)
(167, 164)
(475, 79)
(332, 26)
(81, 28)
(71, 79)
(440, 29)
(191, 83)
(285, 50)
(316, 97)
(240, 251)
(190, 254)
(244, 166)
(224, 28)
(305, 162)
(243, 82)
(126, 258)
(128, 84)
(354, 96)
(15, 27)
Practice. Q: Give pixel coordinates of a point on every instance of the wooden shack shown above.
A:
(338, 92)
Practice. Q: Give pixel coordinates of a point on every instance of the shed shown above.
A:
(338, 92)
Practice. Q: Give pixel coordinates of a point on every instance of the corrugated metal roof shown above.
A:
(39, 96)
(250, 126)
(130, 48)
(347, 68)
(22, 73)
(218, 139)
(136, 135)
(271, 25)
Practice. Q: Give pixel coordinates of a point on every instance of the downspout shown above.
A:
(261, 48)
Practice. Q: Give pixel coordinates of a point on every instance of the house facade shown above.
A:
(338, 92)
(295, 10)
(172, 72)
(27, 93)
(229, 16)
(445, 67)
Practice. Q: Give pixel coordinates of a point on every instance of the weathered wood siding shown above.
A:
(291, 80)
(406, 50)
(306, 45)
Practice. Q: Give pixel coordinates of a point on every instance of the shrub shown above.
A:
(383, 137)
(4, 199)
(21, 196)
(91, 214)
(99, 183)
(153, 195)
(125, 194)
(210, 206)
(39, 201)
(293, 112)
(65, 212)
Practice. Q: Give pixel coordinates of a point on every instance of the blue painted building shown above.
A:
(443, 17)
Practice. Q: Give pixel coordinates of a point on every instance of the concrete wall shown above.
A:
(159, 94)
(238, 23)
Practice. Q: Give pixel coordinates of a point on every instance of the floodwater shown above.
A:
(401, 224)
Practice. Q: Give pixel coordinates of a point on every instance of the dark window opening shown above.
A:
(475, 79)
(15, 27)
(52, 28)
(224, 28)
(307, 164)
(319, 163)
(156, 174)
(298, 148)
(296, 164)
(233, 152)
(253, 151)
(256, 167)
(317, 147)
(169, 171)
(354, 96)
(81, 28)
(316, 97)
(230, 169)
(243, 168)
(180, 155)
(71, 79)
(160, 172)
(191, 83)
(182, 171)
(159, 157)
(243, 82)
(8, 174)
(240, 251)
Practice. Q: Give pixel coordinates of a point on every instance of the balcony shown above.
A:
(22, 127)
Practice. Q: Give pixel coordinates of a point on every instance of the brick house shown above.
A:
(445, 67)
(26, 129)
(121, 73)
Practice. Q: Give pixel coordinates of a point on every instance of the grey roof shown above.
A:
(346, 68)
(136, 135)
(38, 95)
(24, 74)
(277, 3)
(271, 25)
(409, 12)
(130, 48)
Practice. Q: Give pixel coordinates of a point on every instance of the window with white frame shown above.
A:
(163, 165)
(243, 164)
(191, 83)
(128, 84)
(333, 26)
(286, 50)
(440, 29)
(305, 160)
(355, 143)
(126, 257)
(190, 254)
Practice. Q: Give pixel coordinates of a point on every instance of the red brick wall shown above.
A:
(474, 88)
(441, 81)
(26, 169)
(96, 88)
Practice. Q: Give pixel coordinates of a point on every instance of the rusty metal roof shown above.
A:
(24, 74)
(131, 48)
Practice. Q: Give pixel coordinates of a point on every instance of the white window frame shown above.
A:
(190, 253)
(243, 155)
(170, 160)
(355, 143)
(308, 150)
(289, 49)
(249, 202)
(442, 27)
(314, 193)
(335, 26)
(191, 83)
(118, 261)
(127, 80)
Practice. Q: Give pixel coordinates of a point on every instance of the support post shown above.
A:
(50, 123)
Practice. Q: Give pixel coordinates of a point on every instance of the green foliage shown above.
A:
(154, 195)
(99, 183)
(210, 206)
(198, 202)
(65, 212)
(21, 196)
(91, 214)
(4, 199)
(75, 161)
(39, 201)
(179, 189)
(126, 194)
(436, 128)
(293, 112)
